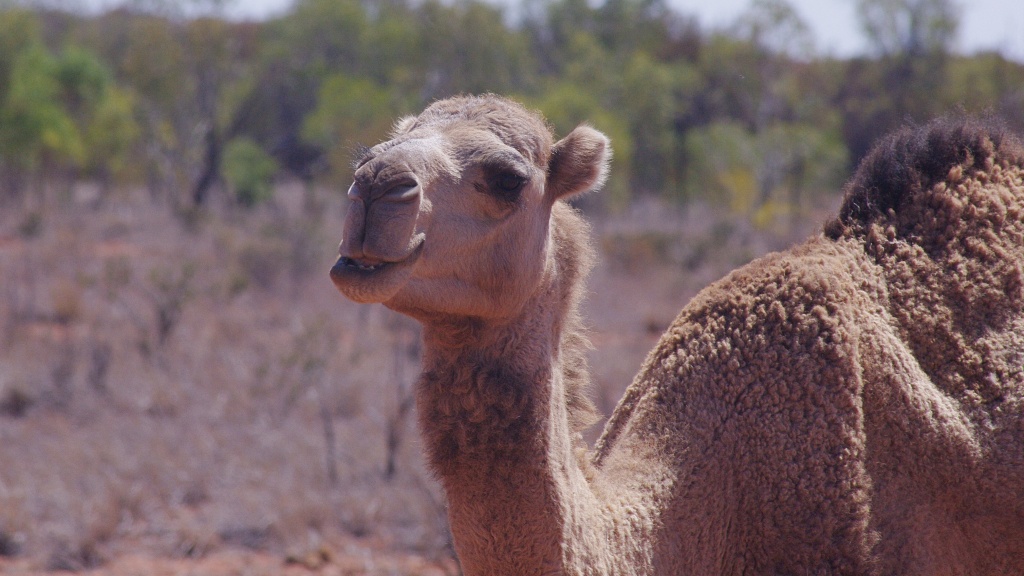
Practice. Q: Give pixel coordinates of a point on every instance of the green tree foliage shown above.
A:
(775, 26)
(351, 112)
(566, 106)
(912, 40)
(111, 136)
(908, 27)
(469, 48)
(218, 60)
(749, 116)
(187, 81)
(33, 120)
(649, 99)
(722, 160)
(102, 113)
(249, 171)
(764, 174)
(57, 110)
(986, 82)
(317, 39)
(148, 56)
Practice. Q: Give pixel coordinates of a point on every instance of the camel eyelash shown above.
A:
(361, 155)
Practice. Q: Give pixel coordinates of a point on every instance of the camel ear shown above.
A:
(579, 163)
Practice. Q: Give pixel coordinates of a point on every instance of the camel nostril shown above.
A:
(402, 191)
(355, 193)
(405, 192)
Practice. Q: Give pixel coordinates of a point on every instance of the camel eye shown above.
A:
(508, 183)
(503, 179)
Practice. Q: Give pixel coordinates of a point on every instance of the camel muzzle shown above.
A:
(380, 225)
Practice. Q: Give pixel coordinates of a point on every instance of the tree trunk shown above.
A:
(211, 168)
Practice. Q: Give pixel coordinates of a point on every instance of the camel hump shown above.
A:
(914, 160)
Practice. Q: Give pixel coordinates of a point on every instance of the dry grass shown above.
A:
(185, 386)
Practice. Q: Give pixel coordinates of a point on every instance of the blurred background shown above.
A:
(179, 381)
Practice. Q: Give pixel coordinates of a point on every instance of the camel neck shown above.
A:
(493, 414)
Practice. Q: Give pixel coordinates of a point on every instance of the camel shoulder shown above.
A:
(775, 336)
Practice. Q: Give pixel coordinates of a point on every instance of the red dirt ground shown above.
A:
(247, 563)
(352, 558)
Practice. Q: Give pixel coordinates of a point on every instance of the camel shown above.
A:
(852, 405)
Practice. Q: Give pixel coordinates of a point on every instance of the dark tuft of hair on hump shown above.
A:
(915, 158)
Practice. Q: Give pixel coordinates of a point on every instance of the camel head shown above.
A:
(452, 215)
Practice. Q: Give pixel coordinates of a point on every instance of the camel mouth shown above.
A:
(362, 265)
(371, 280)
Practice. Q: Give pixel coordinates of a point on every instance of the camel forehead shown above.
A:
(465, 121)
(451, 152)
(470, 147)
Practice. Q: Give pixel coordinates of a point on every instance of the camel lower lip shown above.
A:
(373, 280)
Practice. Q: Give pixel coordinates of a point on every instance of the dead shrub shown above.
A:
(66, 298)
(15, 402)
(264, 261)
(169, 291)
(639, 250)
(10, 542)
(31, 225)
(99, 366)
(74, 557)
(117, 273)
(251, 537)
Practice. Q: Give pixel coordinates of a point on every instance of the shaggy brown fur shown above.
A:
(854, 405)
